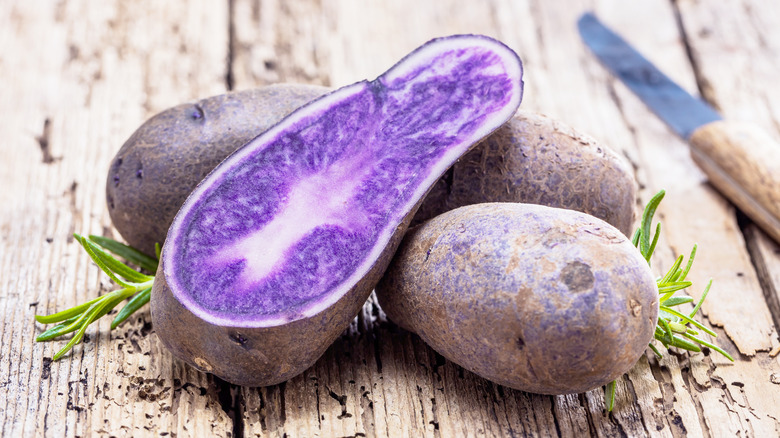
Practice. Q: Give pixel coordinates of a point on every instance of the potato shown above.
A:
(277, 249)
(163, 161)
(536, 298)
(534, 159)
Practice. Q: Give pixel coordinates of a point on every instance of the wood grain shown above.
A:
(84, 75)
(80, 76)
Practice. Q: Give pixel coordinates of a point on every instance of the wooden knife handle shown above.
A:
(743, 163)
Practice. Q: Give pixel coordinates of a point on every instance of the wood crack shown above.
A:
(342, 399)
(231, 401)
(592, 430)
(44, 143)
(705, 89)
(762, 270)
(231, 50)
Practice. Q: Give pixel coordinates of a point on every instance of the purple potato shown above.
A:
(536, 298)
(277, 249)
(166, 157)
(534, 159)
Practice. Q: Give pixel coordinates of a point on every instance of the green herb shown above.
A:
(673, 328)
(135, 285)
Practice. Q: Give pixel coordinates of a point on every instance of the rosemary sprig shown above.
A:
(672, 329)
(135, 285)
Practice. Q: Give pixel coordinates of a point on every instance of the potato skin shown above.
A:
(540, 299)
(162, 162)
(534, 159)
(251, 356)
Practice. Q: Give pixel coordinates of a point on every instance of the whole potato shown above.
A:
(163, 161)
(540, 299)
(534, 159)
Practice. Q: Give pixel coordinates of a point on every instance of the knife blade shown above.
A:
(740, 160)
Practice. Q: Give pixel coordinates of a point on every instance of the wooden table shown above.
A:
(79, 76)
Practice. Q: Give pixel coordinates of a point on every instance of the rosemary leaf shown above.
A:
(609, 395)
(701, 300)
(655, 242)
(93, 255)
(129, 253)
(655, 350)
(666, 329)
(675, 266)
(66, 314)
(688, 319)
(673, 287)
(138, 301)
(56, 331)
(684, 344)
(690, 263)
(676, 301)
(647, 217)
(118, 267)
(707, 344)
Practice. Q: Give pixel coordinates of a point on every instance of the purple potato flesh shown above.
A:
(277, 249)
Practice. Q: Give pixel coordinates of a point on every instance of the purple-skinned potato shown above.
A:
(540, 299)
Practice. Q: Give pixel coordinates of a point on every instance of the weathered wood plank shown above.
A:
(692, 207)
(737, 62)
(103, 67)
(737, 67)
(84, 75)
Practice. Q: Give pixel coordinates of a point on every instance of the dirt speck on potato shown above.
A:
(636, 308)
(203, 364)
(577, 276)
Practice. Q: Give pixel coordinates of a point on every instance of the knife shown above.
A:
(740, 160)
